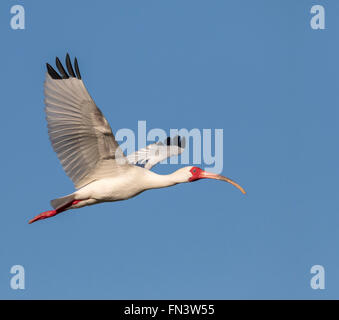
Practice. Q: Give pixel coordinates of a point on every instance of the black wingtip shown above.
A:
(77, 68)
(63, 73)
(69, 66)
(61, 69)
(176, 141)
(52, 72)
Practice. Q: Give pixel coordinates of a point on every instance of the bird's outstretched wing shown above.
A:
(156, 152)
(79, 133)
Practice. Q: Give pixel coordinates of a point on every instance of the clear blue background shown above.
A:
(255, 69)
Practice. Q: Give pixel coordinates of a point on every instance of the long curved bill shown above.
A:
(209, 175)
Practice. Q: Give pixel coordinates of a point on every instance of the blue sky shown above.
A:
(255, 69)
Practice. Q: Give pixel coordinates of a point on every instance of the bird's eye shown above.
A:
(194, 170)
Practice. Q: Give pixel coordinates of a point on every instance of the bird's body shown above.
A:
(90, 155)
(123, 187)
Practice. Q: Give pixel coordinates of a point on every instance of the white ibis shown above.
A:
(90, 155)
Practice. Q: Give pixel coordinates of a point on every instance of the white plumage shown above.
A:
(90, 155)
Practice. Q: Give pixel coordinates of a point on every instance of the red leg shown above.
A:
(51, 213)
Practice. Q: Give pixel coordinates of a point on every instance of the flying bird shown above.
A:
(86, 147)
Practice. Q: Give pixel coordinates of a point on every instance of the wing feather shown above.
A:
(157, 152)
(78, 131)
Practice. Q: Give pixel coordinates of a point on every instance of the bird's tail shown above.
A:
(60, 202)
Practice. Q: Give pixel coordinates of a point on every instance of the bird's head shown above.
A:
(190, 174)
